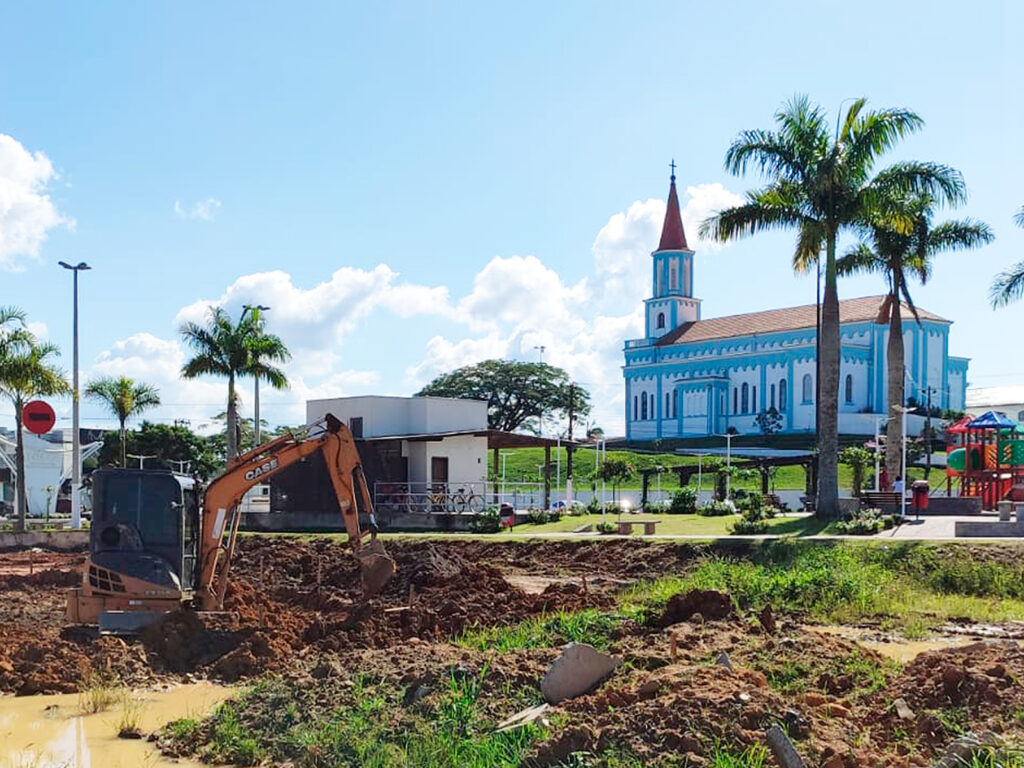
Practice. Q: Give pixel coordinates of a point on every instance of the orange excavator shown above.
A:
(154, 548)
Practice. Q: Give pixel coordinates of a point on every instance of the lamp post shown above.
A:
(256, 309)
(76, 443)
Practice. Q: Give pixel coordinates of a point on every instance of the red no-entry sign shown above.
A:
(38, 417)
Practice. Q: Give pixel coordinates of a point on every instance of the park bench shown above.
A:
(880, 499)
(626, 526)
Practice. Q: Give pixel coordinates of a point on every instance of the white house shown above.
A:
(422, 441)
(1008, 399)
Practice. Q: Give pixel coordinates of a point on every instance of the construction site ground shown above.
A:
(461, 638)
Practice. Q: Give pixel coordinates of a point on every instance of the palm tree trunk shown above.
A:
(828, 407)
(895, 362)
(19, 463)
(232, 420)
(124, 448)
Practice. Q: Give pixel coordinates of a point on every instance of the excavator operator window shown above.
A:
(143, 505)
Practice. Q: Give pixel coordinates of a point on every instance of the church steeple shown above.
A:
(673, 238)
(672, 302)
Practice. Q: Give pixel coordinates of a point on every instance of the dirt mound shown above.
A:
(708, 603)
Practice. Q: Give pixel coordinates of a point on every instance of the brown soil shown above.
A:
(294, 608)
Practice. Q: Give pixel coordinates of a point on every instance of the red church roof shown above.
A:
(672, 236)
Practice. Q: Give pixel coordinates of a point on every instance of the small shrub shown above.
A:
(594, 506)
(606, 527)
(488, 521)
(684, 501)
(746, 526)
(717, 509)
(537, 516)
(554, 515)
(866, 522)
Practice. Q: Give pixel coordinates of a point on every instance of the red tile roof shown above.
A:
(672, 236)
(864, 309)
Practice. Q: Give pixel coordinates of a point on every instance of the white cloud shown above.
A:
(702, 200)
(515, 304)
(202, 210)
(38, 329)
(27, 214)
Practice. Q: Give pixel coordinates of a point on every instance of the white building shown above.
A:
(418, 440)
(47, 467)
(1008, 399)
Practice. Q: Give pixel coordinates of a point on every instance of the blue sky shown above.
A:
(486, 179)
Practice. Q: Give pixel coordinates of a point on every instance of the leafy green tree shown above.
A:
(124, 398)
(172, 447)
(26, 371)
(858, 459)
(769, 421)
(821, 186)
(516, 393)
(615, 471)
(1008, 286)
(224, 348)
(897, 254)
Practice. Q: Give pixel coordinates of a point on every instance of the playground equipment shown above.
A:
(986, 454)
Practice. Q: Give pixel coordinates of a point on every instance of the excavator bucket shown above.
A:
(376, 565)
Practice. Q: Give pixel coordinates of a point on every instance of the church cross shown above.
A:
(672, 165)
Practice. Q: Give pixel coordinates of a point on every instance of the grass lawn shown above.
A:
(525, 465)
(682, 525)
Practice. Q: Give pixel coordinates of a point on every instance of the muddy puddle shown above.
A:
(898, 649)
(52, 732)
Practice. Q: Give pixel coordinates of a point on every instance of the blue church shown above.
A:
(691, 377)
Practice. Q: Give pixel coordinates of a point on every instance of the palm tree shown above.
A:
(26, 371)
(1008, 286)
(820, 186)
(897, 255)
(264, 349)
(223, 348)
(124, 398)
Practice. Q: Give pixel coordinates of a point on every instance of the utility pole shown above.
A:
(568, 447)
(76, 440)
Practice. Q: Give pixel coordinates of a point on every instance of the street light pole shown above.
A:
(76, 442)
(256, 309)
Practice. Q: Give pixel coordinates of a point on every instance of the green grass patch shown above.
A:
(588, 626)
(683, 525)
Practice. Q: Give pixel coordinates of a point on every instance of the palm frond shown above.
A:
(956, 235)
(865, 138)
(910, 178)
(1008, 286)
(1018, 217)
(860, 259)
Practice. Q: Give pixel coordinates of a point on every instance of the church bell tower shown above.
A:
(671, 303)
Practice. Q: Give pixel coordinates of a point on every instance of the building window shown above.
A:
(661, 319)
(1020, 415)
(744, 403)
(782, 396)
(636, 407)
(753, 399)
(673, 280)
(849, 388)
(735, 401)
(808, 389)
(772, 401)
(355, 425)
(643, 406)
(675, 403)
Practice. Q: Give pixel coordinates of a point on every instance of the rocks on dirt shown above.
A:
(960, 752)
(576, 671)
(682, 606)
(903, 710)
(723, 660)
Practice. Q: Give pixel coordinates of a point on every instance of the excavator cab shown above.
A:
(143, 548)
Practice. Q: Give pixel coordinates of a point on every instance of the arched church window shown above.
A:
(636, 407)
(782, 396)
(743, 398)
(668, 405)
(675, 403)
(808, 389)
(643, 406)
(673, 278)
(735, 401)
(753, 399)
(771, 402)
(661, 319)
(849, 388)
